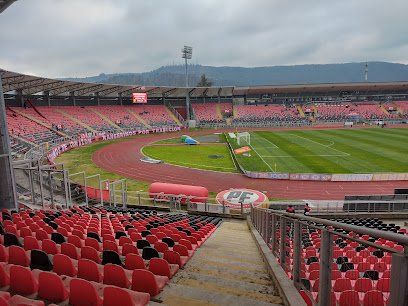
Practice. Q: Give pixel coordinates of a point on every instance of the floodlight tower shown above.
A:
(187, 53)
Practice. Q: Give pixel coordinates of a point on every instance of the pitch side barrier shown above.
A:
(103, 137)
(326, 259)
(328, 177)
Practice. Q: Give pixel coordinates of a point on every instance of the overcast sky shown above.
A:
(67, 38)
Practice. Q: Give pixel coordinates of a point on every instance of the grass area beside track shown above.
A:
(194, 156)
(373, 150)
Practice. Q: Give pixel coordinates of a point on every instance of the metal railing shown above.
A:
(318, 254)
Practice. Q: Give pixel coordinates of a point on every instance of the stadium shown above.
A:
(242, 195)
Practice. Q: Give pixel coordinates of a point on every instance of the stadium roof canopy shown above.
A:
(5, 4)
(30, 85)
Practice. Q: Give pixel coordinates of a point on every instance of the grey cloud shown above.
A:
(87, 37)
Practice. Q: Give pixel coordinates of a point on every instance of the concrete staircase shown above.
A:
(226, 270)
(219, 111)
(400, 112)
(234, 112)
(384, 110)
(173, 116)
(106, 119)
(77, 121)
(138, 118)
(300, 110)
(41, 123)
(228, 121)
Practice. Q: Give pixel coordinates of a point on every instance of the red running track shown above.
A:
(123, 158)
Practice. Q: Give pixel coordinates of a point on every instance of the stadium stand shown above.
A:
(262, 113)
(88, 117)
(370, 110)
(207, 113)
(28, 129)
(49, 268)
(154, 115)
(360, 271)
(403, 106)
(332, 111)
(119, 115)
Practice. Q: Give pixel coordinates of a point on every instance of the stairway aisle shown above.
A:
(226, 270)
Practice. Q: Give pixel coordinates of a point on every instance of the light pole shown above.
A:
(187, 53)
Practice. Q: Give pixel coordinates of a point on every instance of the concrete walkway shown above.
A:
(226, 270)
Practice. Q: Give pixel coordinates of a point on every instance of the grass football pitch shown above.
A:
(373, 150)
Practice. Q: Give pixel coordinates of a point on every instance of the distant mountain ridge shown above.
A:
(257, 76)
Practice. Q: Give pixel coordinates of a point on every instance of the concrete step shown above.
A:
(226, 270)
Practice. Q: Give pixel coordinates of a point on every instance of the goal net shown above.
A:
(243, 138)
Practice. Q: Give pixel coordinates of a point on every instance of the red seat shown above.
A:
(146, 281)
(373, 298)
(18, 256)
(193, 241)
(182, 250)
(113, 296)
(41, 234)
(134, 261)
(159, 266)
(25, 231)
(349, 297)
(22, 280)
(336, 274)
(89, 270)
(75, 240)
(187, 244)
(4, 277)
(83, 293)
(63, 265)
(352, 274)
(123, 240)
(93, 243)
(18, 300)
(116, 275)
(11, 229)
(78, 233)
(110, 246)
(364, 266)
(363, 285)
(135, 237)
(128, 248)
(383, 285)
(161, 246)
(51, 287)
(173, 257)
(175, 237)
(3, 253)
(31, 243)
(152, 239)
(62, 231)
(70, 250)
(50, 247)
(91, 254)
(342, 284)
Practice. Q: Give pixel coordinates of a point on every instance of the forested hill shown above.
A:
(275, 75)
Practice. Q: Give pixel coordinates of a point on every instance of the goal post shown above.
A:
(243, 138)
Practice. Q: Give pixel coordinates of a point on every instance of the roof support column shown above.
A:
(72, 93)
(8, 198)
(97, 99)
(120, 98)
(47, 97)
(20, 96)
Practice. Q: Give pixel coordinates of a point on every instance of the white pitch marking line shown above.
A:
(262, 158)
(320, 144)
(274, 145)
(301, 155)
